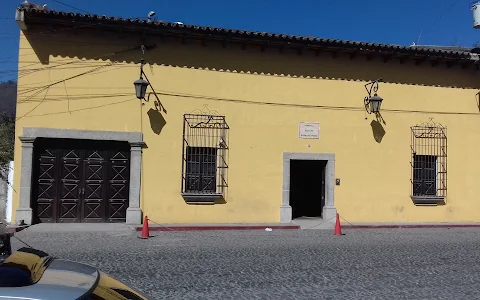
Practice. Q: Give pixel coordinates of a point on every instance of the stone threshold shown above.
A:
(205, 227)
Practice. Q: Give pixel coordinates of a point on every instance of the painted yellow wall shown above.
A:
(264, 95)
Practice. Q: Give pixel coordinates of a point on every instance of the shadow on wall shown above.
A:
(270, 62)
(377, 130)
(477, 98)
(157, 121)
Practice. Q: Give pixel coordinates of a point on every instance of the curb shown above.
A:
(15, 229)
(411, 226)
(209, 228)
(11, 230)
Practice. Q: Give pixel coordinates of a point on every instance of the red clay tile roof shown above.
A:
(39, 16)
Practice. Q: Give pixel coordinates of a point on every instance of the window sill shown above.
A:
(428, 200)
(193, 198)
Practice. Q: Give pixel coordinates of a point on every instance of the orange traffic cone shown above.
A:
(145, 230)
(338, 227)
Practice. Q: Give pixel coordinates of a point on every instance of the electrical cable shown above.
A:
(48, 33)
(84, 109)
(68, 5)
(98, 57)
(76, 97)
(94, 58)
(61, 99)
(26, 72)
(320, 223)
(25, 91)
(435, 21)
(297, 105)
(327, 107)
(55, 83)
(21, 241)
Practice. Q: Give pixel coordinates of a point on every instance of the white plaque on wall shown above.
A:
(308, 130)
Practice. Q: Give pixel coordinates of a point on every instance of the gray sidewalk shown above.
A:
(305, 224)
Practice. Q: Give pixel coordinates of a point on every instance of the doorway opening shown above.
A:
(307, 188)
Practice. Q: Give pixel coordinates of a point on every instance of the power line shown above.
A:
(41, 88)
(58, 61)
(84, 109)
(78, 61)
(435, 21)
(60, 98)
(241, 101)
(37, 93)
(55, 83)
(52, 31)
(98, 57)
(68, 5)
(48, 33)
(28, 90)
(32, 70)
(26, 72)
(299, 105)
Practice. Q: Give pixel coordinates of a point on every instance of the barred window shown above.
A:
(429, 163)
(204, 158)
(201, 171)
(424, 175)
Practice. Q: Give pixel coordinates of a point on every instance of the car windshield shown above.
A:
(109, 288)
(24, 268)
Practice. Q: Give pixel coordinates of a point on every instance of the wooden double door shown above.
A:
(80, 181)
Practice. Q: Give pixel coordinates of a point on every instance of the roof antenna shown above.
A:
(150, 15)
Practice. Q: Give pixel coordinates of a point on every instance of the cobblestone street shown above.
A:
(308, 264)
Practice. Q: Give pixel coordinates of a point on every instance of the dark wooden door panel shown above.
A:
(81, 181)
(118, 186)
(70, 189)
(94, 185)
(46, 187)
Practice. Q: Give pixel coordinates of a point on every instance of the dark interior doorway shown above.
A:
(307, 187)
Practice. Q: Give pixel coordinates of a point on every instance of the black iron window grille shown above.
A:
(429, 163)
(204, 158)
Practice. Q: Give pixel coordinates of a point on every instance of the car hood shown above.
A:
(34, 276)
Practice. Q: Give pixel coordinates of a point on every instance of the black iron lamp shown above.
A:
(141, 88)
(141, 84)
(373, 103)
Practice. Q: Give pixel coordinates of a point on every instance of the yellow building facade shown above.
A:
(238, 127)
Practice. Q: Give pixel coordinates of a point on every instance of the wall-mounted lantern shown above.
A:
(141, 84)
(373, 103)
(141, 87)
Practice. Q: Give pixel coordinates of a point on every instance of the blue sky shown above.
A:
(435, 22)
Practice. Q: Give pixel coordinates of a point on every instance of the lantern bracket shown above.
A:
(147, 99)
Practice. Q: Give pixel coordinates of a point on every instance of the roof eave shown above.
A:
(26, 18)
(20, 19)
